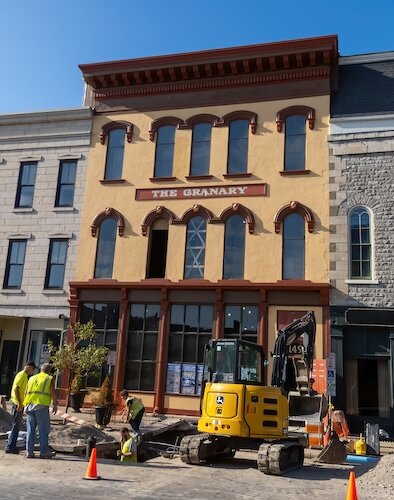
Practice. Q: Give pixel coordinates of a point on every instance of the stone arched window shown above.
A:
(238, 209)
(108, 212)
(360, 240)
(159, 212)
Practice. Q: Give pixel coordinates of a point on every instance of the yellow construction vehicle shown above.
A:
(238, 409)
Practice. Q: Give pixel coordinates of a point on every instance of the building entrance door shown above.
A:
(9, 358)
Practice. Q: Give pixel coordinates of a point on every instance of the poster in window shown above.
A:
(173, 377)
(188, 385)
(200, 370)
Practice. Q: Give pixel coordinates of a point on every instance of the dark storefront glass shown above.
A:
(190, 330)
(241, 322)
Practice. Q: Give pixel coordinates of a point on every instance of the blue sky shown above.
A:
(42, 42)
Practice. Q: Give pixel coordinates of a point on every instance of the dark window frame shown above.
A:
(61, 184)
(9, 264)
(162, 145)
(231, 140)
(21, 186)
(141, 360)
(301, 141)
(226, 263)
(110, 149)
(50, 264)
(198, 362)
(250, 337)
(207, 144)
(285, 239)
(100, 245)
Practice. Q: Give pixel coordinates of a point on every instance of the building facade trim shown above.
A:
(108, 212)
(294, 207)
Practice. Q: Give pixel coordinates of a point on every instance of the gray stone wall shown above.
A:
(47, 138)
(362, 173)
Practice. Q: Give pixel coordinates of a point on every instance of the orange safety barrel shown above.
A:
(315, 433)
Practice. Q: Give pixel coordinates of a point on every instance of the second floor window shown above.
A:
(115, 152)
(66, 184)
(15, 264)
(201, 149)
(238, 147)
(26, 182)
(234, 248)
(165, 151)
(293, 247)
(105, 249)
(360, 243)
(56, 264)
(295, 142)
(195, 248)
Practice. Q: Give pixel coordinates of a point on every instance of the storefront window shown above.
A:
(141, 347)
(241, 322)
(190, 330)
(105, 318)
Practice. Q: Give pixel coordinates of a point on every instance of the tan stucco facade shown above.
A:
(263, 249)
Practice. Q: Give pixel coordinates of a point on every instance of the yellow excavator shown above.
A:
(238, 409)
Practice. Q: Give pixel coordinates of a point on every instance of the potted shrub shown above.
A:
(78, 356)
(104, 403)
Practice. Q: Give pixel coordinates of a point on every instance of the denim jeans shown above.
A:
(136, 422)
(16, 426)
(38, 418)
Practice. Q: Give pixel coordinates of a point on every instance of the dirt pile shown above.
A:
(379, 481)
(71, 433)
(5, 421)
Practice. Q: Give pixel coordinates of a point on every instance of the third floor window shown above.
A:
(201, 149)
(238, 147)
(295, 142)
(26, 182)
(165, 151)
(66, 184)
(115, 153)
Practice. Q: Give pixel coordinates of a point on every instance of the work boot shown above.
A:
(48, 454)
(30, 455)
(12, 451)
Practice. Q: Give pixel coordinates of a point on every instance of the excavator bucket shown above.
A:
(334, 452)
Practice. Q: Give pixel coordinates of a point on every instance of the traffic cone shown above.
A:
(91, 472)
(351, 489)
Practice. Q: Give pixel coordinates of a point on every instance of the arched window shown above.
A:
(294, 247)
(157, 251)
(195, 248)
(234, 247)
(237, 162)
(165, 151)
(201, 149)
(295, 142)
(115, 152)
(105, 248)
(360, 243)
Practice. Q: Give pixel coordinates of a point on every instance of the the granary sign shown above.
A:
(202, 192)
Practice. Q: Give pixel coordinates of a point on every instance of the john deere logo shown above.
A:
(219, 400)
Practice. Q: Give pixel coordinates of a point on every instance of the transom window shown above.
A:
(241, 322)
(295, 142)
(165, 151)
(26, 182)
(141, 347)
(234, 247)
(238, 147)
(201, 149)
(360, 236)
(195, 248)
(66, 184)
(190, 330)
(115, 153)
(293, 247)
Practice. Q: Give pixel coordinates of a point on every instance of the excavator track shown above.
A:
(277, 458)
(202, 448)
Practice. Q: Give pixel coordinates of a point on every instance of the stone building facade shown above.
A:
(206, 208)
(361, 143)
(43, 159)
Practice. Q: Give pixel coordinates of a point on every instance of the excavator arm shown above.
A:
(285, 338)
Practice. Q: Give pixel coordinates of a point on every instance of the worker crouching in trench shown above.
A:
(128, 446)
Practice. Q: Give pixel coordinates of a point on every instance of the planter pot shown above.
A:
(76, 400)
(103, 415)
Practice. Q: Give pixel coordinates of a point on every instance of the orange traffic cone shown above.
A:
(91, 472)
(351, 489)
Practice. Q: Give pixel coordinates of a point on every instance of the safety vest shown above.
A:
(39, 390)
(129, 445)
(134, 405)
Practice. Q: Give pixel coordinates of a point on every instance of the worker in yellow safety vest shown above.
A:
(134, 410)
(128, 446)
(40, 392)
(17, 394)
